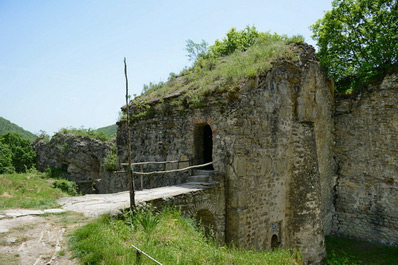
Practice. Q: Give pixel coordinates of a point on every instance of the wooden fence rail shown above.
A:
(139, 252)
(142, 173)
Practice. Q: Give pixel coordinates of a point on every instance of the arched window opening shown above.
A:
(203, 141)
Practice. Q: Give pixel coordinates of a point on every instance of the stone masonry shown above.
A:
(271, 143)
(366, 195)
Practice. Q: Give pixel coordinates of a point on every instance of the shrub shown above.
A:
(110, 161)
(66, 186)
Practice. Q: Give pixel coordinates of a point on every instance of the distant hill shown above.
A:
(7, 126)
(109, 130)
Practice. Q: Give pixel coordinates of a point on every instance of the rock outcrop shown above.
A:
(79, 159)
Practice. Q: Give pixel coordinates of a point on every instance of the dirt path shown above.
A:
(40, 237)
(29, 238)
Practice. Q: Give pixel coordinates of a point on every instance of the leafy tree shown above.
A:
(358, 40)
(5, 159)
(23, 157)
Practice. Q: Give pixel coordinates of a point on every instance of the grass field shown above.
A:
(30, 190)
(168, 237)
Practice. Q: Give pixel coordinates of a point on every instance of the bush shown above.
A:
(110, 161)
(66, 186)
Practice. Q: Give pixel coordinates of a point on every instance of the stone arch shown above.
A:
(203, 145)
(206, 218)
(275, 242)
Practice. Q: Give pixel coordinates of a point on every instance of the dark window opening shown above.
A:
(203, 141)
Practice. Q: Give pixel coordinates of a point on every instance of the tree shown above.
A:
(358, 40)
(22, 155)
(196, 50)
(5, 159)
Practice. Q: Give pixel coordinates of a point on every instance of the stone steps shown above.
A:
(201, 176)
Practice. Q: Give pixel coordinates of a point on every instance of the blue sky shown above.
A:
(61, 62)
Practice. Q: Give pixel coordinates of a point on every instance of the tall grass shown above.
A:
(29, 190)
(174, 240)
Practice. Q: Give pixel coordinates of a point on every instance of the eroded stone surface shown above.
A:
(79, 159)
(366, 129)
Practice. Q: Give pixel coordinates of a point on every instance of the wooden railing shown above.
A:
(141, 173)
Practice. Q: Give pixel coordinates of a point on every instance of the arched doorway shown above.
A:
(206, 219)
(275, 243)
(203, 141)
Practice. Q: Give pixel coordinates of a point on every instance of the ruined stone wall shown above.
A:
(366, 129)
(272, 143)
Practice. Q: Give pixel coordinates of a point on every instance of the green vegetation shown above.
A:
(95, 134)
(168, 237)
(345, 251)
(29, 190)
(220, 68)
(16, 154)
(66, 186)
(110, 130)
(110, 161)
(358, 41)
(8, 127)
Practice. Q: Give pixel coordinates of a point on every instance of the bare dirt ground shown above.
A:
(38, 239)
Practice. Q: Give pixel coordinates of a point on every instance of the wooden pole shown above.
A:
(142, 178)
(130, 172)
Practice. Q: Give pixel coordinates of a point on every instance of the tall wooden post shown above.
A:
(130, 172)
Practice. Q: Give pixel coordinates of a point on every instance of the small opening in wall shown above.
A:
(203, 141)
(275, 243)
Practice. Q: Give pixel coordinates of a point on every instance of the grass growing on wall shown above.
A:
(30, 190)
(168, 237)
(211, 74)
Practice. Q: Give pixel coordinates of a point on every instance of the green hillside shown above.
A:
(7, 126)
(109, 130)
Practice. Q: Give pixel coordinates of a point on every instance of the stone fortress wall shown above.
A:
(366, 151)
(298, 164)
(272, 143)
